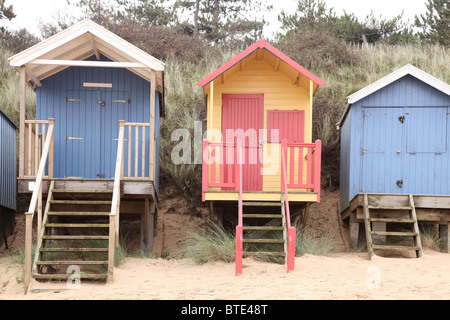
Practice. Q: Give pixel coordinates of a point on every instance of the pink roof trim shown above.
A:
(261, 44)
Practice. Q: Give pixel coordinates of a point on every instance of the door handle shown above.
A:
(400, 183)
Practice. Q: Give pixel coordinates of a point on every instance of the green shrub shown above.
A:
(215, 244)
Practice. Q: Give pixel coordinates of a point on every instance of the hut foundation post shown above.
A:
(353, 231)
(445, 236)
(147, 225)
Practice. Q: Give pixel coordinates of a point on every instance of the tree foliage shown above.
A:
(222, 21)
(315, 15)
(435, 23)
(148, 13)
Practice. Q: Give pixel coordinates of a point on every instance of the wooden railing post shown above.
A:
(239, 227)
(111, 247)
(37, 194)
(205, 167)
(114, 216)
(284, 148)
(237, 177)
(51, 160)
(28, 248)
(317, 168)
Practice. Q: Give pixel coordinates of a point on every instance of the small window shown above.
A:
(290, 123)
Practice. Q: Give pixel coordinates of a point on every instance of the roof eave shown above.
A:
(261, 44)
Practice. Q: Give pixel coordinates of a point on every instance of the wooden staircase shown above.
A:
(74, 232)
(264, 234)
(391, 216)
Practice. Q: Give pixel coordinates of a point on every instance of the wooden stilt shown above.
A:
(353, 231)
(147, 225)
(211, 211)
(445, 236)
(3, 229)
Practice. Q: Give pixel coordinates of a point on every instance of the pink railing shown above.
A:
(303, 165)
(219, 169)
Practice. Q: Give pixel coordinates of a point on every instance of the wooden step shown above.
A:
(85, 276)
(391, 220)
(265, 228)
(85, 263)
(264, 253)
(390, 208)
(262, 216)
(73, 250)
(261, 204)
(263, 241)
(79, 214)
(75, 237)
(399, 234)
(81, 191)
(76, 225)
(392, 247)
(79, 202)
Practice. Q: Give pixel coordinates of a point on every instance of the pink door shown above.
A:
(243, 117)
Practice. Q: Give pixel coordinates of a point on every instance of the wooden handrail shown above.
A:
(291, 231)
(284, 182)
(240, 227)
(37, 196)
(114, 216)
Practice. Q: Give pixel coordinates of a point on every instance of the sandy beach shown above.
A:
(342, 275)
(346, 276)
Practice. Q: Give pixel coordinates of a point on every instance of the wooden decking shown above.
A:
(430, 209)
(130, 188)
(274, 196)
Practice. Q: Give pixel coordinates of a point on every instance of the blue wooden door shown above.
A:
(83, 132)
(426, 160)
(92, 131)
(116, 107)
(382, 150)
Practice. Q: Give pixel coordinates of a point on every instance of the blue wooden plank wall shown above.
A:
(86, 132)
(377, 150)
(8, 163)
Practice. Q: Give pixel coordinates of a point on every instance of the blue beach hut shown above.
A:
(92, 150)
(395, 136)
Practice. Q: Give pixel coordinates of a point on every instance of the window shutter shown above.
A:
(290, 123)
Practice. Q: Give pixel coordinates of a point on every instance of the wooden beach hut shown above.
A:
(8, 180)
(92, 151)
(395, 158)
(259, 152)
